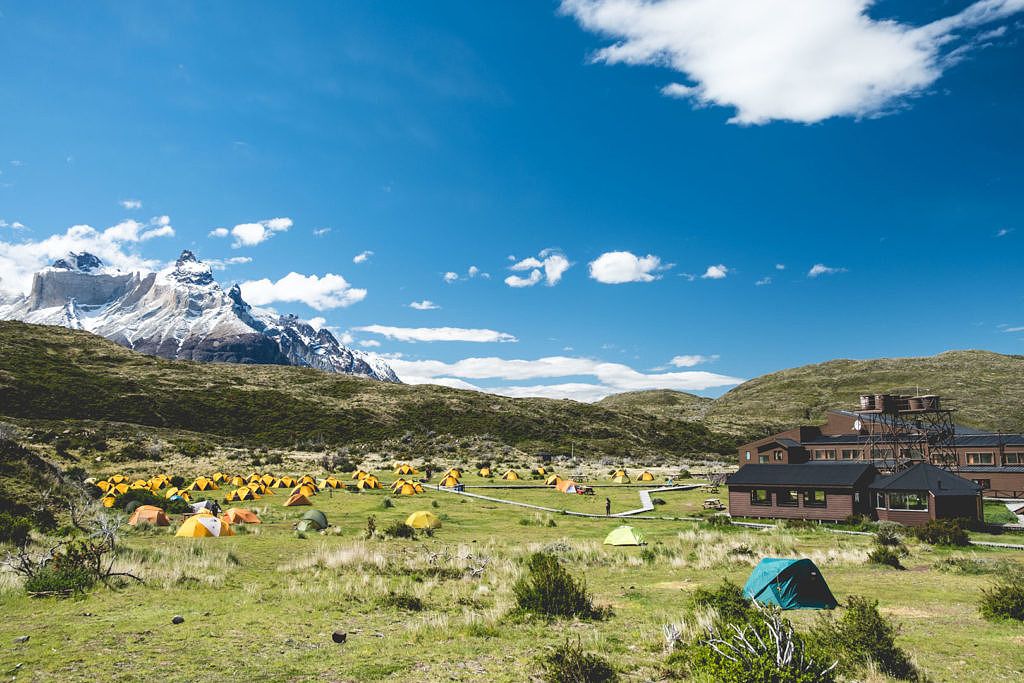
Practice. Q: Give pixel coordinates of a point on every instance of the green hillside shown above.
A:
(986, 388)
(662, 403)
(54, 374)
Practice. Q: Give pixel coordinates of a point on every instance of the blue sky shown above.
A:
(745, 142)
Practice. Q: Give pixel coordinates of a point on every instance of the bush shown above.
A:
(889, 534)
(549, 590)
(728, 600)
(862, 635)
(14, 529)
(387, 503)
(765, 649)
(804, 524)
(943, 532)
(400, 530)
(719, 521)
(143, 497)
(1004, 600)
(371, 527)
(404, 601)
(570, 663)
(60, 580)
(885, 555)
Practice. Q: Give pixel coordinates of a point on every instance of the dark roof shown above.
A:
(808, 474)
(1012, 469)
(925, 477)
(782, 441)
(961, 440)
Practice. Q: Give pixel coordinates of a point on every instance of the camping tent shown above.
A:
(149, 514)
(170, 494)
(645, 476)
(297, 499)
(407, 489)
(510, 476)
(359, 474)
(450, 482)
(566, 486)
(204, 525)
(305, 490)
(219, 477)
(203, 484)
(625, 535)
(406, 468)
(790, 584)
(369, 482)
(118, 479)
(243, 493)
(241, 516)
(485, 472)
(552, 480)
(140, 485)
(285, 482)
(331, 482)
(312, 520)
(540, 470)
(210, 505)
(237, 481)
(422, 519)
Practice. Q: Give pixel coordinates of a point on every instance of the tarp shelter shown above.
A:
(422, 519)
(241, 516)
(149, 514)
(204, 525)
(297, 499)
(624, 535)
(485, 472)
(450, 482)
(312, 520)
(511, 475)
(645, 476)
(790, 584)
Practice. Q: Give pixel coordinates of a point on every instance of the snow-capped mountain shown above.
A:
(180, 312)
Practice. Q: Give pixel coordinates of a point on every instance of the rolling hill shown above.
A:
(50, 373)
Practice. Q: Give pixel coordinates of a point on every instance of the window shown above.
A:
(908, 500)
(1013, 459)
(984, 483)
(760, 497)
(814, 498)
(763, 459)
(788, 498)
(748, 455)
(980, 459)
(827, 454)
(778, 456)
(850, 454)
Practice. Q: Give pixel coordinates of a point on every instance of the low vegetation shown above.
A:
(549, 590)
(570, 663)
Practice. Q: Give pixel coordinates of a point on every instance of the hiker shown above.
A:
(607, 506)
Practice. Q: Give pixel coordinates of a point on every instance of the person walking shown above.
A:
(607, 507)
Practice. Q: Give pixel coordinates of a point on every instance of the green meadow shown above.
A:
(265, 602)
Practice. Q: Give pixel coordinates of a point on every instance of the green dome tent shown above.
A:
(312, 520)
(625, 535)
(790, 584)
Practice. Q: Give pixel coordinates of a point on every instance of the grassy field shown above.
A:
(265, 602)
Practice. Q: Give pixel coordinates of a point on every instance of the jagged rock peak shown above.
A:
(85, 262)
(186, 256)
(191, 270)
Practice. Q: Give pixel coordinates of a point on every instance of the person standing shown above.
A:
(607, 507)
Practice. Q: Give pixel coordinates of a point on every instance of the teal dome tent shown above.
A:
(790, 584)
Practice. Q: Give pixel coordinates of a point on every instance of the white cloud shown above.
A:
(1003, 232)
(320, 232)
(114, 245)
(821, 269)
(551, 261)
(13, 225)
(425, 305)
(130, 204)
(780, 266)
(715, 272)
(688, 361)
(321, 293)
(451, 277)
(473, 271)
(251, 234)
(369, 343)
(1013, 329)
(791, 60)
(617, 267)
(430, 334)
(362, 257)
(612, 377)
(221, 264)
(766, 280)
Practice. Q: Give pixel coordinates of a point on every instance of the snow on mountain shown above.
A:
(180, 312)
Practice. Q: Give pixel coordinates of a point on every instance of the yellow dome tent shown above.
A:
(286, 482)
(118, 479)
(267, 479)
(510, 476)
(175, 491)
(406, 468)
(331, 482)
(645, 476)
(486, 472)
(204, 526)
(370, 481)
(359, 474)
(455, 472)
(255, 476)
(103, 485)
(219, 477)
(304, 490)
(621, 479)
(243, 493)
(449, 482)
(203, 484)
(552, 480)
(238, 481)
(108, 501)
(407, 489)
(118, 489)
(422, 519)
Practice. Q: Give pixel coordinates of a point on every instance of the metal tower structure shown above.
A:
(906, 429)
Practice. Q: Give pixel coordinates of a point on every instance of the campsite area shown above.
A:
(266, 601)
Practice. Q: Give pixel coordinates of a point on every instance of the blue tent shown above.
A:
(790, 584)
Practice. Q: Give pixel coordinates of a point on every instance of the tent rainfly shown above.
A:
(422, 519)
(790, 584)
(624, 535)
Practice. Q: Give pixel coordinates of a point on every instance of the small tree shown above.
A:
(862, 635)
(549, 590)
(570, 663)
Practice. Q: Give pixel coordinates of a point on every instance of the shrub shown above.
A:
(889, 534)
(60, 580)
(719, 521)
(1004, 600)
(862, 635)
(549, 590)
(387, 503)
(143, 497)
(404, 601)
(434, 504)
(765, 649)
(14, 529)
(570, 663)
(885, 555)
(943, 532)
(400, 530)
(728, 600)
(371, 527)
(658, 501)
